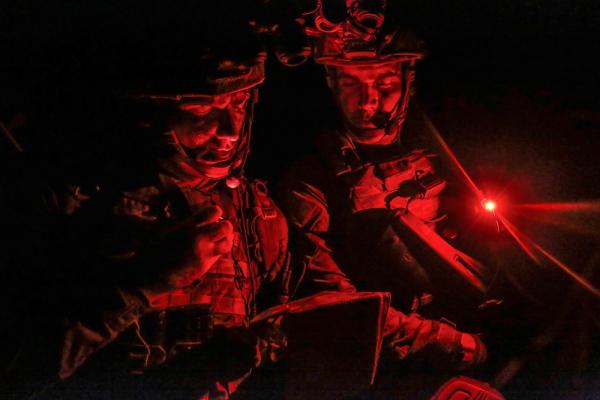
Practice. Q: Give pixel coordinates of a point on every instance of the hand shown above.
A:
(465, 349)
(473, 350)
(213, 238)
(436, 343)
(272, 342)
(189, 252)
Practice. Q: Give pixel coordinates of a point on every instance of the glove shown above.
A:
(213, 237)
(466, 350)
(437, 343)
(184, 254)
(272, 343)
(474, 351)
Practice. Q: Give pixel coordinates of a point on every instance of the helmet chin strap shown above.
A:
(209, 171)
(237, 172)
(400, 109)
(213, 172)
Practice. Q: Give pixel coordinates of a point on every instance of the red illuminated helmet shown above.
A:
(362, 38)
(358, 36)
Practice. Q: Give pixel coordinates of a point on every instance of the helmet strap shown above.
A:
(401, 108)
(243, 150)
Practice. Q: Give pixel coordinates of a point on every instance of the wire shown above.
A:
(11, 138)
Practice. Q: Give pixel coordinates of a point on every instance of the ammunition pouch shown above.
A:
(162, 334)
(408, 182)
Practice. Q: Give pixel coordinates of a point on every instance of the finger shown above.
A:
(214, 239)
(192, 273)
(208, 215)
(205, 266)
(217, 231)
(223, 238)
(223, 246)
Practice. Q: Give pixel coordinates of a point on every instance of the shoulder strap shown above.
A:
(269, 231)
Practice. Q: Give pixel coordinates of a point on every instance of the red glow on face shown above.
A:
(362, 93)
(211, 126)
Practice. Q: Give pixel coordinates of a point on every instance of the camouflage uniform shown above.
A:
(343, 203)
(108, 238)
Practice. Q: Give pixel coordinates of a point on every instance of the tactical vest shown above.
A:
(407, 182)
(366, 192)
(226, 294)
(404, 180)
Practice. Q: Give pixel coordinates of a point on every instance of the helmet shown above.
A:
(223, 62)
(362, 38)
(171, 69)
(357, 35)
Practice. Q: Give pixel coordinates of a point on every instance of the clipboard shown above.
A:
(334, 342)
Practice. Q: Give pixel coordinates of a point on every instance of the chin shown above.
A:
(368, 136)
(212, 159)
(213, 162)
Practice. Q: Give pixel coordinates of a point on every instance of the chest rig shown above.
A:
(226, 294)
(370, 186)
(400, 180)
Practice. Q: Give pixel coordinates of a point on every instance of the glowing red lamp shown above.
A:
(489, 205)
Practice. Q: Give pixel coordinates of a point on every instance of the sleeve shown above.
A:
(68, 303)
(60, 326)
(306, 208)
(85, 335)
(435, 343)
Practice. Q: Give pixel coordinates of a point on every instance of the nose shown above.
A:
(369, 97)
(226, 129)
(227, 133)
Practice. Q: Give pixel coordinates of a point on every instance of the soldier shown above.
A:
(343, 203)
(154, 268)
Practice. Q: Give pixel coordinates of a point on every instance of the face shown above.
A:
(209, 128)
(365, 92)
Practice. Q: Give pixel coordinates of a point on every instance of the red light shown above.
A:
(488, 205)
(232, 182)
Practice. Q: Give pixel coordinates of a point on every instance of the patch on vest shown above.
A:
(406, 183)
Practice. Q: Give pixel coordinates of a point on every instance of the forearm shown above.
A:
(322, 273)
(436, 343)
(85, 336)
